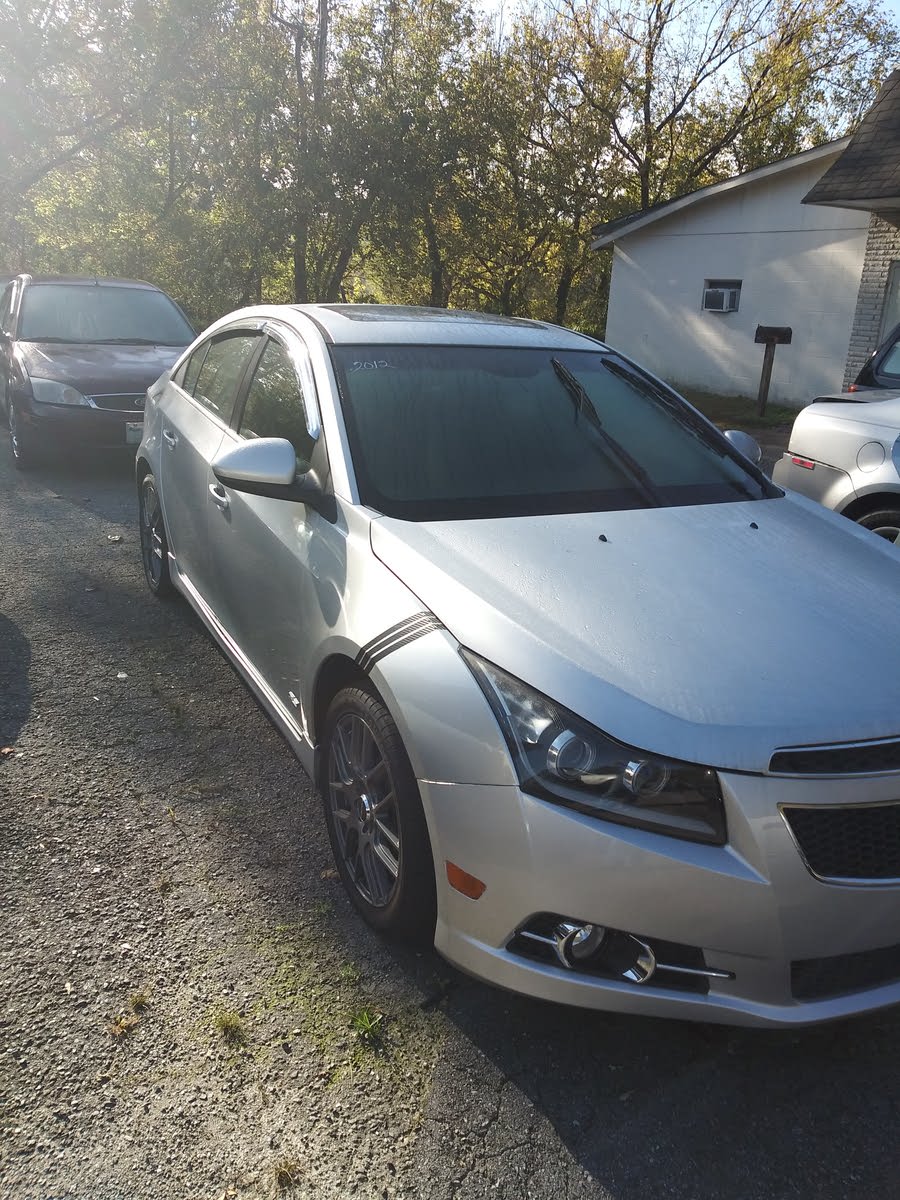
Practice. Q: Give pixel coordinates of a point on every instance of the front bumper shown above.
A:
(752, 908)
(83, 426)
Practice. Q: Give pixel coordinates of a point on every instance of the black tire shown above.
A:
(375, 820)
(885, 522)
(154, 544)
(24, 452)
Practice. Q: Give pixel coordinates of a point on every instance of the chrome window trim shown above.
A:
(298, 352)
(839, 880)
(340, 462)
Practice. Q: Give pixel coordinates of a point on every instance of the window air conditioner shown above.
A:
(722, 300)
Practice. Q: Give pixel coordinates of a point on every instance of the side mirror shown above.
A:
(268, 467)
(745, 444)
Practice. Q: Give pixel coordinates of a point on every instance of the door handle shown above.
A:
(219, 496)
(170, 439)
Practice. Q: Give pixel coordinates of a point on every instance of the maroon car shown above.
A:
(77, 356)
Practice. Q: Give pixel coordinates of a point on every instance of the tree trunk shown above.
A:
(299, 249)
(439, 292)
(563, 288)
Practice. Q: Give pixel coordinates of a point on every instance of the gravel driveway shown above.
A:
(191, 1010)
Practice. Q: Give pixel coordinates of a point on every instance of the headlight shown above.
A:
(562, 758)
(48, 391)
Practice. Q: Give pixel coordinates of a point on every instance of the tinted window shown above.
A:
(443, 432)
(890, 364)
(85, 313)
(187, 374)
(221, 371)
(5, 305)
(275, 406)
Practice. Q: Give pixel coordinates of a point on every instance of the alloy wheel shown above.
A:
(151, 528)
(890, 533)
(363, 805)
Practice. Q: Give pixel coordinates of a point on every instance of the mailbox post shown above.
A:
(770, 336)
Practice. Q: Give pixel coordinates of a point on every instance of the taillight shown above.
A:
(854, 387)
(803, 462)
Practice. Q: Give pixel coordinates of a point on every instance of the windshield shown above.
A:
(85, 313)
(443, 432)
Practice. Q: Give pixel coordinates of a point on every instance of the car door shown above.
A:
(194, 418)
(265, 551)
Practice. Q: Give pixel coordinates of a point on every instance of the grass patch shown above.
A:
(368, 1026)
(229, 1025)
(120, 1027)
(138, 1001)
(737, 412)
(288, 1174)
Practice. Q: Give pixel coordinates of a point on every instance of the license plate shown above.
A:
(134, 431)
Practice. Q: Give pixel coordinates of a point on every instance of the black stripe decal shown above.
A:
(402, 627)
(398, 635)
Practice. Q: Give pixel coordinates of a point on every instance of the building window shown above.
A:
(721, 295)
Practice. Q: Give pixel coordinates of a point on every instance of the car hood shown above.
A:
(98, 370)
(713, 633)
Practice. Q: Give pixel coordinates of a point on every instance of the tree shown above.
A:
(704, 86)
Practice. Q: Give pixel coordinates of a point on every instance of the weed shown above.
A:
(172, 814)
(366, 1024)
(350, 973)
(119, 1027)
(138, 1001)
(288, 1173)
(230, 1027)
(164, 885)
(321, 908)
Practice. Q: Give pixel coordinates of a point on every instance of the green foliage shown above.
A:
(393, 150)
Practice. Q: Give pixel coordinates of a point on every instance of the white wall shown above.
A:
(799, 264)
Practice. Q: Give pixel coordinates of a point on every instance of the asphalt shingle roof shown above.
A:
(869, 169)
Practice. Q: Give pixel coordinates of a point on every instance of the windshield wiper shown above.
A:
(696, 425)
(584, 406)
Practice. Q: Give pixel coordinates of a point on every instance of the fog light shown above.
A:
(576, 943)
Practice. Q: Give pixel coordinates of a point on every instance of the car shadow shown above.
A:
(15, 691)
(704, 1110)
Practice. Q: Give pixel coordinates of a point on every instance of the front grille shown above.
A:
(121, 402)
(861, 841)
(817, 978)
(863, 758)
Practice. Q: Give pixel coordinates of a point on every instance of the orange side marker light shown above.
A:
(463, 882)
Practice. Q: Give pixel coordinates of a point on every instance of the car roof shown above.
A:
(397, 324)
(95, 280)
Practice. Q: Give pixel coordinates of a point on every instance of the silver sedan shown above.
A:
(575, 680)
(845, 453)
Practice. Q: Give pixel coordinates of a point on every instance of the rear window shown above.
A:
(447, 432)
(89, 313)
